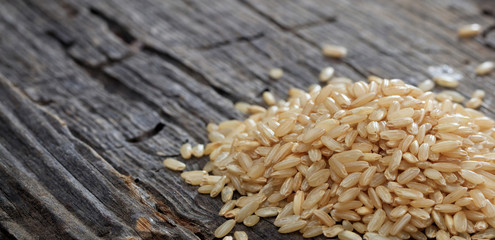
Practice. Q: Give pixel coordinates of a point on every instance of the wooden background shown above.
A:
(94, 94)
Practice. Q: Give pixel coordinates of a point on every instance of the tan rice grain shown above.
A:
(198, 150)
(326, 74)
(377, 221)
(351, 180)
(268, 212)
(185, 151)
(426, 85)
(447, 208)
(446, 81)
(225, 228)
(240, 235)
(474, 103)
(334, 51)
(269, 98)
(242, 107)
(332, 231)
(276, 73)
(400, 224)
(408, 175)
(348, 235)
(470, 30)
(313, 232)
(251, 220)
(478, 93)
(174, 164)
(292, 226)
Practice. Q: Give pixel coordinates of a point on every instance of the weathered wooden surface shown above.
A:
(92, 93)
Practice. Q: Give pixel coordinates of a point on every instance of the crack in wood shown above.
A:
(191, 72)
(233, 41)
(488, 36)
(66, 43)
(323, 21)
(114, 26)
(147, 134)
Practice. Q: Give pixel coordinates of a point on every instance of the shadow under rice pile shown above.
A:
(379, 160)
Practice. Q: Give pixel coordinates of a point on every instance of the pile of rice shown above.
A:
(382, 160)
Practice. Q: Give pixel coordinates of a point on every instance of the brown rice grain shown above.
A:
(198, 150)
(460, 222)
(485, 68)
(447, 208)
(480, 226)
(205, 189)
(419, 213)
(359, 227)
(426, 85)
(174, 164)
(334, 51)
(276, 73)
(377, 221)
(470, 30)
(351, 180)
(488, 209)
(446, 81)
(422, 203)
(227, 207)
(332, 231)
(465, 201)
(474, 103)
(471, 176)
(442, 235)
(348, 235)
(326, 74)
(478, 93)
(384, 194)
(292, 226)
(385, 229)
(367, 176)
(242, 107)
(408, 175)
(193, 177)
(268, 211)
(324, 217)
(225, 228)
(269, 98)
(218, 187)
(399, 224)
(185, 151)
(455, 195)
(446, 167)
(251, 220)
(240, 235)
(313, 232)
(279, 222)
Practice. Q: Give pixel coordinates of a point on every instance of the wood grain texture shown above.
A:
(94, 94)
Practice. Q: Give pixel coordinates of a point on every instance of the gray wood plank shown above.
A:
(95, 93)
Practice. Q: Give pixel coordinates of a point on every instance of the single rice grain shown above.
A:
(334, 51)
(469, 31)
(276, 73)
(225, 228)
(174, 164)
(485, 68)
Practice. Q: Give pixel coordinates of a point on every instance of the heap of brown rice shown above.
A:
(383, 160)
